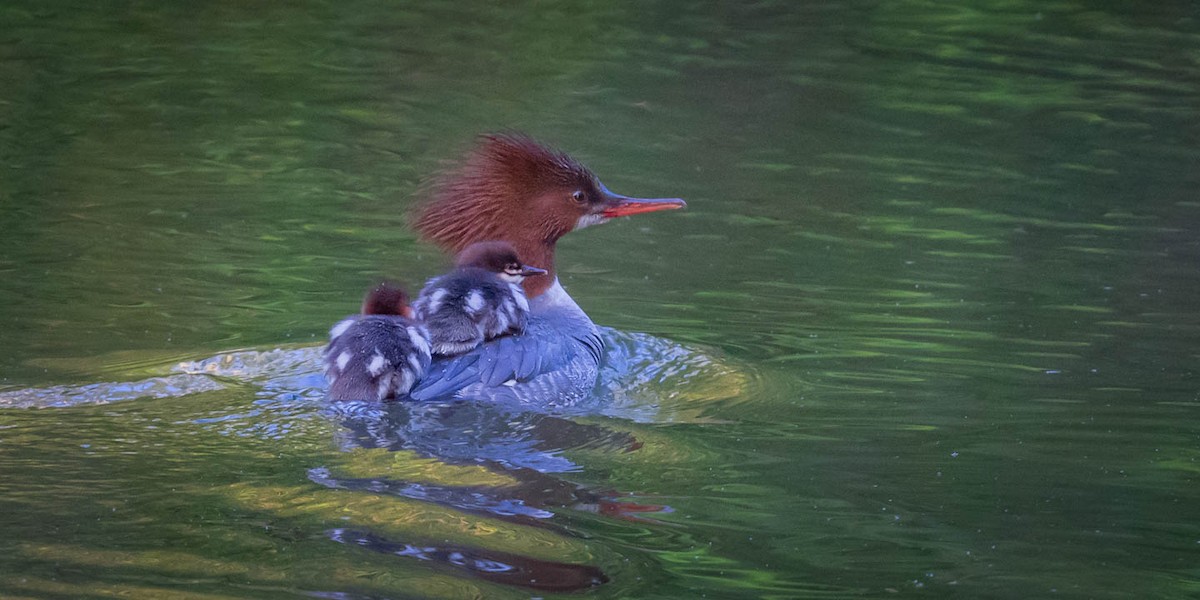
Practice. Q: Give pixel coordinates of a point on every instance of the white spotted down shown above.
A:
(419, 339)
(340, 328)
(406, 382)
(343, 359)
(519, 296)
(474, 302)
(435, 300)
(377, 364)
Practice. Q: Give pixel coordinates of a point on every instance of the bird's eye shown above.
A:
(512, 268)
(579, 197)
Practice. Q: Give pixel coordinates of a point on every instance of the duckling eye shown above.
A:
(512, 268)
(579, 197)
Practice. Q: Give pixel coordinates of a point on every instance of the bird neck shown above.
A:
(539, 254)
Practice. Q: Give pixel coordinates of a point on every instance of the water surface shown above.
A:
(930, 316)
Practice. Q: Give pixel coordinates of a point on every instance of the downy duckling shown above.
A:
(480, 300)
(379, 354)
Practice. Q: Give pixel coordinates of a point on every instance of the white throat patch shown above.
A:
(588, 220)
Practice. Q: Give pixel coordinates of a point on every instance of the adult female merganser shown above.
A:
(480, 300)
(379, 354)
(514, 189)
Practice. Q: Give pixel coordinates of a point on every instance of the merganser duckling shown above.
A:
(480, 300)
(514, 189)
(387, 299)
(379, 354)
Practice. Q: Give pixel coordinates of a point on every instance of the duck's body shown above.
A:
(513, 189)
(377, 355)
(555, 361)
(480, 300)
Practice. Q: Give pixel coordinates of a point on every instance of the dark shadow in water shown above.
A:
(525, 448)
(477, 500)
(474, 433)
(489, 565)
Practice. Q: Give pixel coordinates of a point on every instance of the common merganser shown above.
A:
(480, 300)
(379, 354)
(511, 188)
(387, 299)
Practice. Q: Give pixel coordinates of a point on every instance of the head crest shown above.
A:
(496, 180)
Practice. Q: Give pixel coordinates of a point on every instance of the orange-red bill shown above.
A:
(637, 206)
(616, 205)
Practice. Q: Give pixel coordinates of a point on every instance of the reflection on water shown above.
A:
(493, 460)
(927, 327)
(491, 566)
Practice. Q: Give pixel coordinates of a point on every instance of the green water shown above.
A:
(939, 264)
